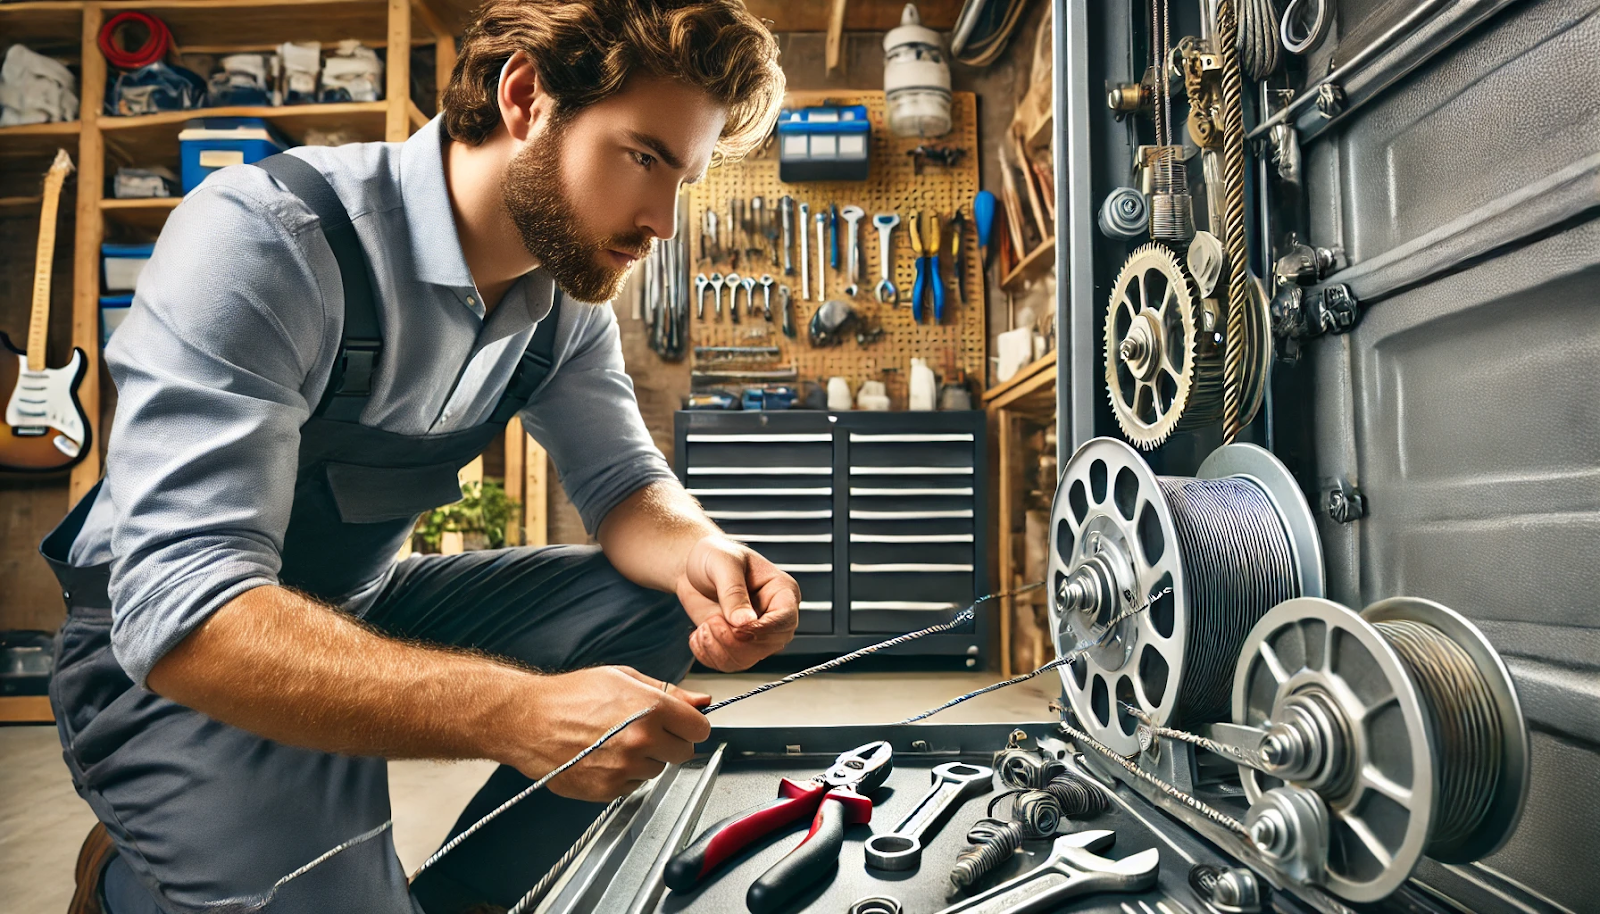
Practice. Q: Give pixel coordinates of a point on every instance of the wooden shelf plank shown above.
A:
(1038, 260)
(282, 114)
(152, 139)
(26, 709)
(1032, 389)
(147, 214)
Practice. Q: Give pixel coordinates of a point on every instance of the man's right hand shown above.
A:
(568, 711)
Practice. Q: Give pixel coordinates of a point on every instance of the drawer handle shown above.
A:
(854, 490)
(911, 538)
(815, 605)
(774, 492)
(762, 471)
(908, 471)
(909, 439)
(781, 537)
(908, 515)
(769, 515)
(903, 604)
(757, 439)
(803, 568)
(901, 567)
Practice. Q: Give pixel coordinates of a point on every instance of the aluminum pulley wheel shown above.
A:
(1356, 732)
(1163, 371)
(1229, 545)
(1258, 351)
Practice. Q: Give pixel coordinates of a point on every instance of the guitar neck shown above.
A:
(39, 320)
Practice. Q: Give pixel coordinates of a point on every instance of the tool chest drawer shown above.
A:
(622, 869)
(879, 516)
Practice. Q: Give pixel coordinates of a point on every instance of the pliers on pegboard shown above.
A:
(929, 276)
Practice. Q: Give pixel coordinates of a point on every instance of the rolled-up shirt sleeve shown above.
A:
(587, 417)
(213, 374)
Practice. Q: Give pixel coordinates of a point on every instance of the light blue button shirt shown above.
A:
(235, 325)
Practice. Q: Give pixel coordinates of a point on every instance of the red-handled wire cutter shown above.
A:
(835, 798)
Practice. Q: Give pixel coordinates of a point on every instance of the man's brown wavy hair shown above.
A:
(585, 52)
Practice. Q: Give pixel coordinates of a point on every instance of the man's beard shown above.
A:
(536, 198)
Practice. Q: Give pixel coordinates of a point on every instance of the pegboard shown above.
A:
(958, 343)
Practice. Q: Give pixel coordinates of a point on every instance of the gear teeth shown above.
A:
(1198, 399)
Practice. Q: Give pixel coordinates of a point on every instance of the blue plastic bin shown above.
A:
(121, 264)
(113, 308)
(827, 143)
(207, 144)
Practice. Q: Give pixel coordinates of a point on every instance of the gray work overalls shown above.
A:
(211, 818)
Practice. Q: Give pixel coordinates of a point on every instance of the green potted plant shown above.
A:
(482, 517)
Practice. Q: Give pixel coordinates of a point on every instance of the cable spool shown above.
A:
(1230, 544)
(1404, 721)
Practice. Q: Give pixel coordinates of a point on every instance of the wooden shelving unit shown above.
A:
(1028, 399)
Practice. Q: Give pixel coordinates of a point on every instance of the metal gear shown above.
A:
(1163, 371)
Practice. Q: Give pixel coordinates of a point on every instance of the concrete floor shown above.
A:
(42, 821)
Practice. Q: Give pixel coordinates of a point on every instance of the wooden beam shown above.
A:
(1005, 497)
(835, 35)
(431, 20)
(89, 232)
(536, 493)
(397, 123)
(444, 63)
(516, 444)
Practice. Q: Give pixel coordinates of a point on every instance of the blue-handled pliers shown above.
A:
(929, 275)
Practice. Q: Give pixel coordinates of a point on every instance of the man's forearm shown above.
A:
(648, 536)
(283, 666)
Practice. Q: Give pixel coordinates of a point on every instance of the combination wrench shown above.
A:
(716, 292)
(852, 218)
(701, 283)
(732, 281)
(885, 223)
(805, 252)
(1072, 871)
(822, 256)
(953, 784)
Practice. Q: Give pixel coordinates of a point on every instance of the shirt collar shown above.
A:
(435, 247)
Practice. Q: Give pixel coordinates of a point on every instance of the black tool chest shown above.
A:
(622, 868)
(879, 516)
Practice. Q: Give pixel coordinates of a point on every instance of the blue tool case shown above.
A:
(207, 144)
(828, 143)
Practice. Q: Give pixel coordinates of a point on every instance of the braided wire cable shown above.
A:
(961, 618)
(1199, 806)
(1210, 745)
(1257, 41)
(1063, 660)
(549, 878)
(455, 842)
(1233, 219)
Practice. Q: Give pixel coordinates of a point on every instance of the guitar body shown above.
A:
(44, 427)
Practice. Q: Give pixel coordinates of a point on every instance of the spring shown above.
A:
(1076, 796)
(1467, 727)
(1237, 564)
(1036, 811)
(993, 842)
(1025, 769)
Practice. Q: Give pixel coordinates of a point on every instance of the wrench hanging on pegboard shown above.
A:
(896, 184)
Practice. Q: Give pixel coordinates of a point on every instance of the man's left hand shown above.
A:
(744, 608)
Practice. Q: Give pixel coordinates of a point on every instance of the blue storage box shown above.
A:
(113, 308)
(207, 144)
(829, 143)
(122, 264)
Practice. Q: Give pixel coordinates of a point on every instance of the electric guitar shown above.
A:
(45, 427)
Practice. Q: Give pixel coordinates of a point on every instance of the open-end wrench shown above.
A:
(766, 296)
(786, 212)
(749, 283)
(701, 283)
(786, 309)
(1072, 871)
(716, 291)
(805, 253)
(885, 223)
(852, 217)
(953, 784)
(732, 282)
(822, 256)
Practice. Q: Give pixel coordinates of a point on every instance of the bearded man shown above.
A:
(318, 344)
